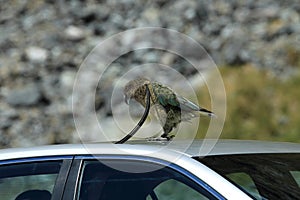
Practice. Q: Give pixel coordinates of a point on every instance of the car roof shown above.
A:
(229, 147)
(190, 148)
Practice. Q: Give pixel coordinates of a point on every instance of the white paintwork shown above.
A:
(225, 188)
(174, 155)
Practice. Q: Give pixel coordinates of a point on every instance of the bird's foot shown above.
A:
(157, 139)
(167, 137)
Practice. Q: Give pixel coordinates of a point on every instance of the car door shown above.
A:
(34, 178)
(133, 177)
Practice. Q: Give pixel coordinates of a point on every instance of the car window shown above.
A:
(174, 189)
(99, 181)
(296, 176)
(28, 180)
(261, 176)
(245, 181)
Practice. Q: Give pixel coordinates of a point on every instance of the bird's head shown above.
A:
(132, 86)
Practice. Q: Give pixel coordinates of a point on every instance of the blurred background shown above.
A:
(255, 44)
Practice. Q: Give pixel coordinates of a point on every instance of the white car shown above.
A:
(147, 170)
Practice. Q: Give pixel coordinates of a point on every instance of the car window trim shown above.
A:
(73, 179)
(76, 170)
(61, 176)
(61, 179)
(34, 159)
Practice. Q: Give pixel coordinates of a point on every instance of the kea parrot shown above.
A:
(167, 106)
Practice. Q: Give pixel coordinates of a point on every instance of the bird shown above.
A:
(168, 107)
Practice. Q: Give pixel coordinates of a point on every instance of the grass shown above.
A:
(260, 106)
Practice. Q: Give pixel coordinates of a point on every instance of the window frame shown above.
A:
(62, 175)
(72, 185)
(243, 158)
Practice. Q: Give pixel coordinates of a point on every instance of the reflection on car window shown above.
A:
(99, 181)
(28, 180)
(246, 182)
(296, 176)
(265, 176)
(176, 190)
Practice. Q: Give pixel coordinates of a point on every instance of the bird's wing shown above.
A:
(188, 106)
(165, 96)
(184, 106)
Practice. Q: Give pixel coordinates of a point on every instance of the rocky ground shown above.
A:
(43, 43)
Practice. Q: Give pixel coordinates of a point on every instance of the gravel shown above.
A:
(43, 44)
(36, 54)
(28, 95)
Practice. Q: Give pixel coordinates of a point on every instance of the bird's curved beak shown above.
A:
(126, 99)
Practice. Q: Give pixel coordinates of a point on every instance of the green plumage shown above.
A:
(168, 107)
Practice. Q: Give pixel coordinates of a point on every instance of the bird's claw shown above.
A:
(157, 139)
(167, 137)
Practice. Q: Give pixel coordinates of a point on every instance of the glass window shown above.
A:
(174, 189)
(261, 176)
(244, 181)
(296, 176)
(28, 180)
(144, 181)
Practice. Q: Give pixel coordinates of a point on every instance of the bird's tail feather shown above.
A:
(208, 113)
